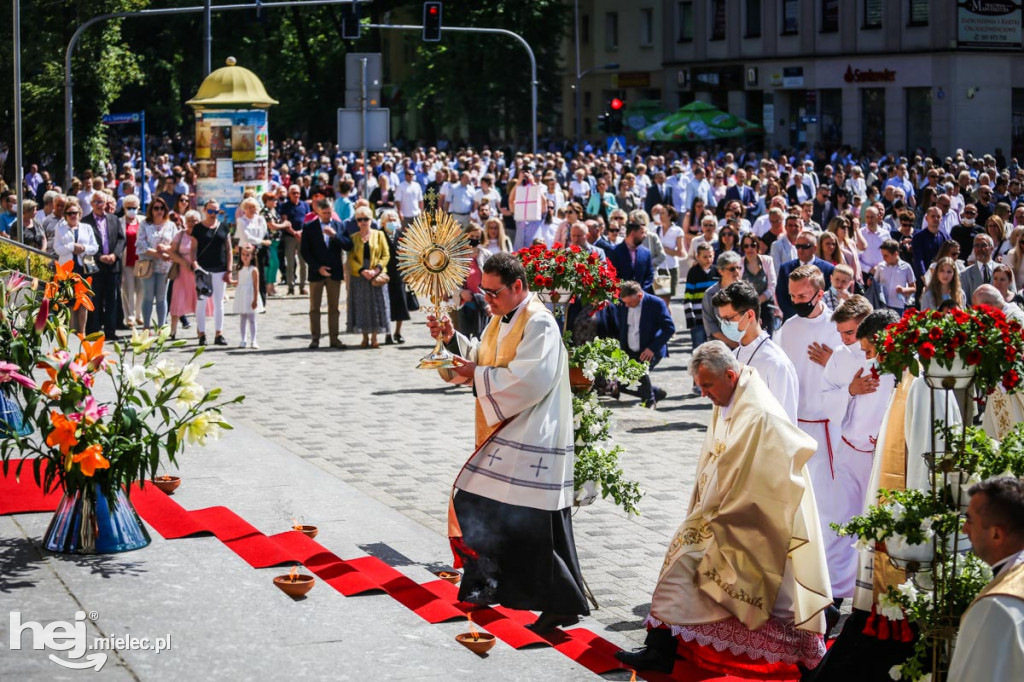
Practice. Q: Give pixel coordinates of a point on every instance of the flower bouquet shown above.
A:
(979, 342)
(596, 468)
(587, 278)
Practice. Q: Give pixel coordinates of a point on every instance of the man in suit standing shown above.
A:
(742, 193)
(106, 282)
(806, 248)
(981, 272)
(632, 260)
(645, 326)
(659, 193)
(323, 240)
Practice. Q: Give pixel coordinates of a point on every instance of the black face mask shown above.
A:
(474, 242)
(805, 309)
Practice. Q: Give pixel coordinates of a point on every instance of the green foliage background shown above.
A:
(465, 84)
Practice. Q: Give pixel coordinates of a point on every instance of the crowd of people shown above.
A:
(783, 268)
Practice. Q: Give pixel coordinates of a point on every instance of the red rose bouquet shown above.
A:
(981, 338)
(582, 273)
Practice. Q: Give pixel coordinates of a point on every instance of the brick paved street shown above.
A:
(400, 435)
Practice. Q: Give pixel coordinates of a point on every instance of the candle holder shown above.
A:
(309, 531)
(295, 585)
(168, 484)
(452, 577)
(477, 642)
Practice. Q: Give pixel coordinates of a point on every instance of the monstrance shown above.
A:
(433, 257)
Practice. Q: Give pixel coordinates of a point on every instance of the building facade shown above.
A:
(872, 74)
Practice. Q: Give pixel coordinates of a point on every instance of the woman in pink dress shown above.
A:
(183, 296)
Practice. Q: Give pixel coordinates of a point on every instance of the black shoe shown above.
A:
(646, 659)
(549, 621)
(659, 394)
(315, 343)
(649, 404)
(218, 340)
(831, 619)
(202, 340)
(388, 341)
(399, 338)
(615, 390)
(337, 344)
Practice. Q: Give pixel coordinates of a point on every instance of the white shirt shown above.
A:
(670, 239)
(66, 238)
(409, 195)
(782, 251)
(252, 231)
(460, 199)
(633, 333)
(579, 189)
(872, 255)
(774, 368)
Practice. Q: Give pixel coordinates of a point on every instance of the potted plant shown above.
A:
(953, 348)
(93, 450)
(568, 273)
(596, 468)
(602, 359)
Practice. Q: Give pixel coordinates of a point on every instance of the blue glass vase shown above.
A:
(12, 421)
(87, 523)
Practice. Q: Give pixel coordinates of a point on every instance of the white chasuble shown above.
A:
(522, 381)
(750, 547)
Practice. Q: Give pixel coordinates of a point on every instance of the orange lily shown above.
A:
(51, 289)
(63, 433)
(50, 390)
(64, 271)
(92, 459)
(82, 296)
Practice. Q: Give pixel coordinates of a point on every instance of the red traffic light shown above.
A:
(616, 104)
(433, 10)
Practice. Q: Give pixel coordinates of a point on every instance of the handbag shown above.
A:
(173, 273)
(662, 283)
(89, 266)
(412, 301)
(381, 279)
(143, 268)
(204, 283)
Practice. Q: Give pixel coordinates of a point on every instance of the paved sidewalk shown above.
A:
(382, 443)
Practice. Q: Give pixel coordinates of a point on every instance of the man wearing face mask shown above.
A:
(808, 339)
(855, 398)
(738, 309)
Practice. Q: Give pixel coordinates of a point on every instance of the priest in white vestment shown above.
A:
(509, 520)
(1003, 410)
(738, 312)
(990, 644)
(855, 397)
(744, 585)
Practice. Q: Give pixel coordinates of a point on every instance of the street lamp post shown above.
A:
(579, 107)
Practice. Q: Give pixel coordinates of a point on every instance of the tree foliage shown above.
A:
(465, 85)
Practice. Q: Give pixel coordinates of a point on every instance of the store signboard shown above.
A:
(989, 24)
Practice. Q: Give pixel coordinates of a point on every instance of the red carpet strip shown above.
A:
(435, 601)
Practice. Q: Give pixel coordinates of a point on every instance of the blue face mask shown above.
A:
(732, 330)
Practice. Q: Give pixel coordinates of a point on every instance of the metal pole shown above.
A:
(208, 38)
(362, 122)
(19, 170)
(578, 96)
(142, 183)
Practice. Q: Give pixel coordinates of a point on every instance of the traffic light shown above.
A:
(602, 123)
(350, 21)
(615, 107)
(432, 21)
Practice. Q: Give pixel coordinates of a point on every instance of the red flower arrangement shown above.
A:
(583, 274)
(980, 337)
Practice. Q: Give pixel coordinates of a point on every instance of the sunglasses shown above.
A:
(72, 213)
(211, 211)
(492, 293)
(362, 220)
(750, 246)
(613, 230)
(804, 247)
(569, 210)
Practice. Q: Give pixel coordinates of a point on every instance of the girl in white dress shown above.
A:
(247, 296)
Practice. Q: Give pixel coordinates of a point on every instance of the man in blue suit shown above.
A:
(645, 326)
(806, 254)
(321, 246)
(742, 193)
(632, 260)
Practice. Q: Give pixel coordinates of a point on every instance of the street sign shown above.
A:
(617, 145)
(117, 119)
(354, 75)
(378, 130)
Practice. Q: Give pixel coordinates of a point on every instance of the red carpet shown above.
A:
(435, 601)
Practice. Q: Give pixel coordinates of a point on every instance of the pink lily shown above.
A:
(15, 281)
(10, 372)
(93, 411)
(42, 315)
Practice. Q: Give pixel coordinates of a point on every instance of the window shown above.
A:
(611, 31)
(717, 19)
(685, 33)
(790, 16)
(872, 119)
(872, 14)
(585, 29)
(646, 27)
(829, 16)
(919, 118)
(753, 19)
(918, 13)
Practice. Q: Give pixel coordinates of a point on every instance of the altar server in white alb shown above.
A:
(855, 397)
(990, 645)
(509, 520)
(738, 310)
